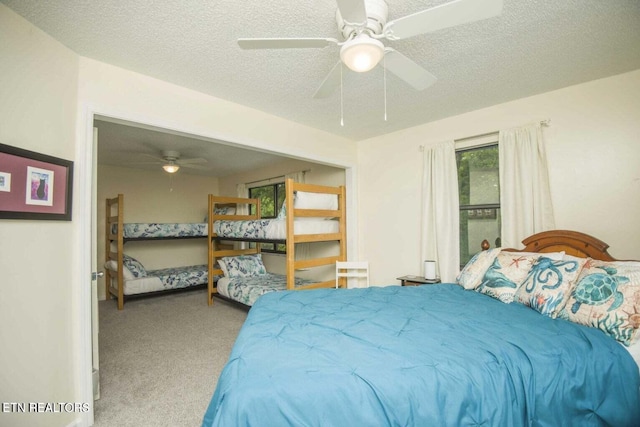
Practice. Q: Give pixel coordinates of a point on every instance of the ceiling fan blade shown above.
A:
(407, 70)
(280, 43)
(194, 161)
(330, 83)
(193, 166)
(444, 16)
(352, 11)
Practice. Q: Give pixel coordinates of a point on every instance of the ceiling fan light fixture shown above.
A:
(362, 53)
(170, 167)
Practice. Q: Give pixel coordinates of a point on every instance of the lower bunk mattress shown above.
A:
(434, 355)
(167, 279)
(248, 289)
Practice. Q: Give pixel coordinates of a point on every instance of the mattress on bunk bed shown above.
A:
(249, 288)
(167, 279)
(157, 230)
(275, 229)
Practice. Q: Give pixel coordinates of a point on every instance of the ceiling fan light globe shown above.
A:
(362, 53)
(171, 168)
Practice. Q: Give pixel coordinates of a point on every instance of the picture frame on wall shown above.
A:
(34, 186)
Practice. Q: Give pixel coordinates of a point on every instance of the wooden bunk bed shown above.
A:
(290, 233)
(117, 233)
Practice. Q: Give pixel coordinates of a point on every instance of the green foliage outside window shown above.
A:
(479, 197)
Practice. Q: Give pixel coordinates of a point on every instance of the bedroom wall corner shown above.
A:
(39, 304)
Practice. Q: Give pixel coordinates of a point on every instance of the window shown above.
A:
(479, 195)
(271, 199)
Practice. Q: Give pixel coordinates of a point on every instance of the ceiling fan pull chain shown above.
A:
(341, 99)
(384, 66)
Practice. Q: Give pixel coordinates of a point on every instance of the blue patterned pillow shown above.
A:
(134, 266)
(607, 296)
(549, 283)
(243, 266)
(506, 273)
(472, 273)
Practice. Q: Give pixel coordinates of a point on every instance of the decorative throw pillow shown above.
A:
(506, 273)
(549, 283)
(472, 273)
(243, 266)
(225, 210)
(134, 266)
(607, 296)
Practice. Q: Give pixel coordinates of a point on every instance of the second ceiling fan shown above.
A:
(363, 23)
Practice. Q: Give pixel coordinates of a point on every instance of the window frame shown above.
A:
(278, 190)
(487, 141)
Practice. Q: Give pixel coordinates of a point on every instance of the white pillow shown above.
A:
(113, 266)
(305, 200)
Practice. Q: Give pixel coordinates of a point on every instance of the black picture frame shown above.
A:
(34, 186)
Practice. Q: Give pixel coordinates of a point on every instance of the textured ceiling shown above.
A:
(535, 46)
(132, 145)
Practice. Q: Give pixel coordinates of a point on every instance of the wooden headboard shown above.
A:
(571, 242)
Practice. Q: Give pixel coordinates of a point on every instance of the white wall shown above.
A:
(38, 89)
(48, 96)
(594, 159)
(155, 196)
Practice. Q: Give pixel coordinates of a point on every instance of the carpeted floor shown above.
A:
(160, 358)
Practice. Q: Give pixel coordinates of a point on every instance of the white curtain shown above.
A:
(525, 198)
(296, 176)
(440, 210)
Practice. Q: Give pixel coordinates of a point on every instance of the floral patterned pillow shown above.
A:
(472, 273)
(226, 210)
(134, 266)
(113, 266)
(549, 283)
(243, 266)
(506, 273)
(607, 296)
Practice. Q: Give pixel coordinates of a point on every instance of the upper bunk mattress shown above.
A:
(154, 230)
(273, 229)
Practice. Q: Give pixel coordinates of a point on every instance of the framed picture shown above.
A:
(34, 185)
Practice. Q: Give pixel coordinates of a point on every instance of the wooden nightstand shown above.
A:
(416, 281)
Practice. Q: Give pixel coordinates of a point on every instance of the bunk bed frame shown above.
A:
(114, 219)
(216, 251)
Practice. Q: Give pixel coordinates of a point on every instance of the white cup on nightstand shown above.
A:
(430, 270)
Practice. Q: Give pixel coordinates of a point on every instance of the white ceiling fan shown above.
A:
(363, 23)
(171, 161)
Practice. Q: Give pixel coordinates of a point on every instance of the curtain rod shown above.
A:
(545, 122)
(274, 177)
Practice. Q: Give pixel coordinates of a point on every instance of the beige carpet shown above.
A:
(160, 358)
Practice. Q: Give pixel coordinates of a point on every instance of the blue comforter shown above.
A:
(419, 356)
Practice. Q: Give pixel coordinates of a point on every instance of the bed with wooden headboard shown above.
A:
(450, 354)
